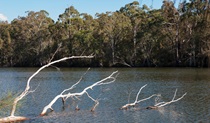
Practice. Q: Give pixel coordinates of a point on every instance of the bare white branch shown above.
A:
(146, 98)
(27, 89)
(110, 79)
(73, 86)
(96, 102)
(173, 100)
(137, 101)
(161, 104)
(158, 105)
(59, 46)
(137, 96)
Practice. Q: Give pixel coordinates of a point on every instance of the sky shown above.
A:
(11, 9)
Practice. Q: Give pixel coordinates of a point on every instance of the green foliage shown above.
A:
(133, 35)
(6, 102)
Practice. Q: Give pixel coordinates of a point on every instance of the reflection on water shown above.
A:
(194, 107)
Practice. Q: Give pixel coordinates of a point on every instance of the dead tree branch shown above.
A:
(59, 46)
(158, 105)
(161, 104)
(110, 79)
(12, 117)
(126, 106)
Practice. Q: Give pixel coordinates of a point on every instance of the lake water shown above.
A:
(194, 107)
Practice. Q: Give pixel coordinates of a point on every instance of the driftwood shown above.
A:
(27, 90)
(161, 104)
(12, 119)
(158, 105)
(110, 79)
(126, 106)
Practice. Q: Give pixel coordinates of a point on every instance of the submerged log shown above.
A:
(161, 104)
(13, 119)
(65, 94)
(151, 107)
(156, 106)
(126, 106)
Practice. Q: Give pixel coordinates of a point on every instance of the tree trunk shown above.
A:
(177, 45)
(134, 45)
(113, 51)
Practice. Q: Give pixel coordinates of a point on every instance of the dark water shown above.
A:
(194, 107)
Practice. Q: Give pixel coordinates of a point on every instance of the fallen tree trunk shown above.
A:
(110, 79)
(27, 90)
(12, 119)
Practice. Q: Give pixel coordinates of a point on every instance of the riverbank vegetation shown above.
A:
(6, 102)
(134, 36)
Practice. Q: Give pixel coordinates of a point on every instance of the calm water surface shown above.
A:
(194, 107)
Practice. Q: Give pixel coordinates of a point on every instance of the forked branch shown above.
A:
(27, 90)
(126, 106)
(110, 79)
(161, 104)
(158, 105)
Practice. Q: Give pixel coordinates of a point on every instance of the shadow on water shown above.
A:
(194, 107)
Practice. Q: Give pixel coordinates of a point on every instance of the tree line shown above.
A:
(134, 36)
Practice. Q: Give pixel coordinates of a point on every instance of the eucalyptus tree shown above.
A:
(152, 47)
(78, 35)
(134, 12)
(172, 22)
(114, 28)
(77, 32)
(195, 30)
(30, 34)
(42, 36)
(201, 11)
(85, 39)
(6, 49)
(121, 32)
(67, 19)
(187, 25)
